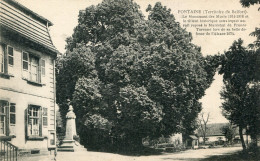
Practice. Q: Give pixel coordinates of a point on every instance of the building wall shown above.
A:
(211, 138)
(17, 82)
(17, 90)
(176, 138)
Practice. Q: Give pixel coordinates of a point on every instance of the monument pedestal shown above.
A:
(67, 145)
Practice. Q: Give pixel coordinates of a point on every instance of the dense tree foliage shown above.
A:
(240, 68)
(241, 88)
(129, 78)
(256, 44)
(247, 3)
(229, 132)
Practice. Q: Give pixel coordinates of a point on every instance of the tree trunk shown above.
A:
(254, 142)
(204, 139)
(242, 138)
(247, 140)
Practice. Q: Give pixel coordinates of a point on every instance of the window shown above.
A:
(3, 120)
(34, 120)
(31, 67)
(37, 117)
(33, 72)
(6, 57)
(7, 118)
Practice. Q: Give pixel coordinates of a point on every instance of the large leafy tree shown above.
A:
(241, 89)
(128, 77)
(256, 44)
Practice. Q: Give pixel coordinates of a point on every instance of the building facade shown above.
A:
(27, 79)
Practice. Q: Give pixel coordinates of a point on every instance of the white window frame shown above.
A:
(7, 115)
(30, 64)
(34, 121)
(35, 114)
(4, 121)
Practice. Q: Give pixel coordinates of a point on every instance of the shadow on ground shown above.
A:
(143, 151)
(238, 156)
(185, 159)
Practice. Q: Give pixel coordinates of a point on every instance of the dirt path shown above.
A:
(193, 155)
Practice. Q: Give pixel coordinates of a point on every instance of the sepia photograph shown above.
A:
(129, 80)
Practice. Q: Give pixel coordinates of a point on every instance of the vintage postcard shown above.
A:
(129, 80)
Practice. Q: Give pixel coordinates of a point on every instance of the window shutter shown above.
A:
(40, 122)
(12, 113)
(5, 59)
(45, 117)
(25, 68)
(10, 53)
(39, 70)
(12, 118)
(27, 121)
(2, 58)
(43, 67)
(7, 118)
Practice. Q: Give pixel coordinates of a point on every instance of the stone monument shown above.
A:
(68, 144)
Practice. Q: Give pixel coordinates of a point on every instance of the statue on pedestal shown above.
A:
(69, 144)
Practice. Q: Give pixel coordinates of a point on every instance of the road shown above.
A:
(189, 155)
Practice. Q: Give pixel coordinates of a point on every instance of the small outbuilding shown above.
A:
(192, 142)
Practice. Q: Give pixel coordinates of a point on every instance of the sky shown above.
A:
(64, 15)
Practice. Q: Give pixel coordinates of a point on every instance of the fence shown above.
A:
(8, 152)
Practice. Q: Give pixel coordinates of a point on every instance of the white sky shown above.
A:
(64, 15)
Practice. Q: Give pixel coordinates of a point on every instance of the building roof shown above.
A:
(28, 11)
(20, 20)
(193, 137)
(216, 130)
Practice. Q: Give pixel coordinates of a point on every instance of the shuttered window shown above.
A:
(32, 67)
(7, 118)
(33, 124)
(3, 117)
(6, 57)
(37, 118)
